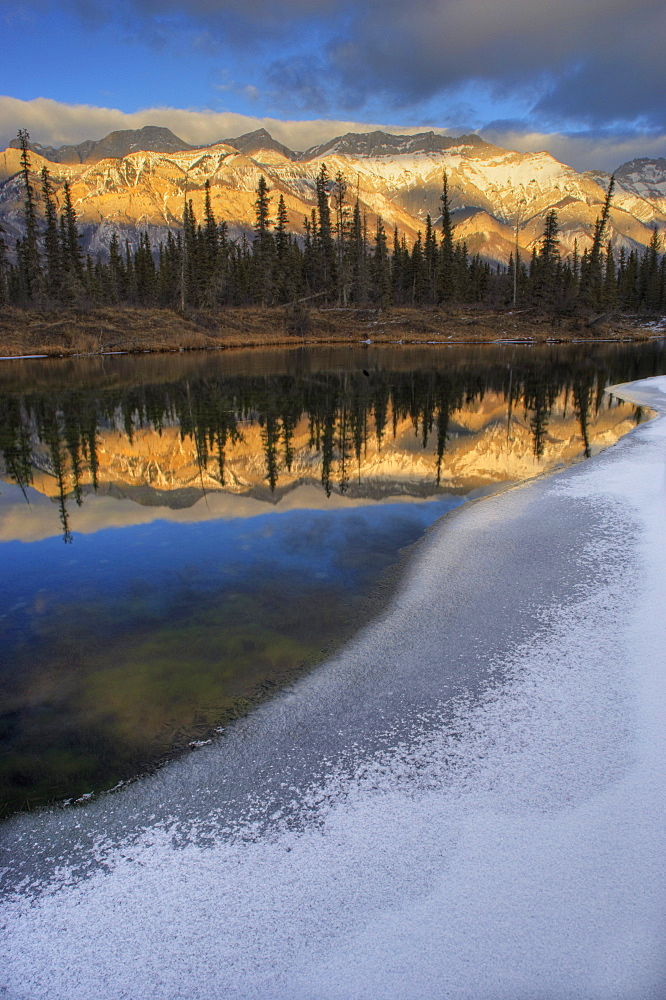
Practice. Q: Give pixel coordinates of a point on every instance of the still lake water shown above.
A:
(181, 534)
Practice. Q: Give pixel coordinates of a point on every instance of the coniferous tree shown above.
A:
(397, 270)
(381, 270)
(324, 245)
(430, 261)
(130, 274)
(341, 237)
(28, 255)
(545, 269)
(478, 277)
(358, 263)
(592, 272)
(652, 280)
(70, 249)
(309, 252)
(461, 276)
(187, 256)
(419, 274)
(52, 250)
(335, 262)
(4, 270)
(575, 264)
(446, 290)
(610, 281)
(116, 284)
(209, 252)
(284, 284)
(144, 270)
(627, 281)
(263, 248)
(512, 280)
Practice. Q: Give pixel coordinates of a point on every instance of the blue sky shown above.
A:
(584, 78)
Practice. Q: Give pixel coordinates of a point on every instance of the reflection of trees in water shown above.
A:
(344, 410)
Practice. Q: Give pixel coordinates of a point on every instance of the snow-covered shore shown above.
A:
(466, 802)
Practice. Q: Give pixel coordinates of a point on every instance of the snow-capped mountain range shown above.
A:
(133, 181)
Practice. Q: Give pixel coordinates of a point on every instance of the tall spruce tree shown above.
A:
(210, 251)
(592, 275)
(263, 247)
(341, 237)
(545, 268)
(418, 272)
(325, 247)
(610, 281)
(652, 281)
(446, 285)
(358, 262)
(381, 269)
(430, 260)
(29, 261)
(116, 270)
(145, 272)
(71, 253)
(52, 249)
(188, 258)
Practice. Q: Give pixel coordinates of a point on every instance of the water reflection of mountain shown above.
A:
(367, 426)
(163, 468)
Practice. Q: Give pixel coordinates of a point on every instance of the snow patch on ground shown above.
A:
(507, 846)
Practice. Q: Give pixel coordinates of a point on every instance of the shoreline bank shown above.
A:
(67, 333)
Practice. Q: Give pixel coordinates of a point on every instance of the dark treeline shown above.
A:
(344, 411)
(341, 260)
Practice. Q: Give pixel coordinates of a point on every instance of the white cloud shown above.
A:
(52, 123)
(583, 151)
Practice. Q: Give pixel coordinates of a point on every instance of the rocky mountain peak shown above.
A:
(645, 178)
(150, 138)
(252, 142)
(378, 143)
(115, 145)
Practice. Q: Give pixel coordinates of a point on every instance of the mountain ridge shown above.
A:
(159, 139)
(494, 192)
(115, 145)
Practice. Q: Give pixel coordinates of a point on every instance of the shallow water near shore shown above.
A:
(181, 536)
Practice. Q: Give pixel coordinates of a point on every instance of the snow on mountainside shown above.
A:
(640, 189)
(646, 178)
(397, 177)
(260, 139)
(384, 144)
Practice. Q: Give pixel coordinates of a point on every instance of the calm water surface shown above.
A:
(181, 534)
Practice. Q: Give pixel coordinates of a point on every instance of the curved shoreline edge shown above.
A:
(466, 801)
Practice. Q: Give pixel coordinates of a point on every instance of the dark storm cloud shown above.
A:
(304, 80)
(591, 61)
(594, 60)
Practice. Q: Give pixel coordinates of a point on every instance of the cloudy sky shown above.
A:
(582, 78)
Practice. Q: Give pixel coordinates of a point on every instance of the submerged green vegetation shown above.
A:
(112, 705)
